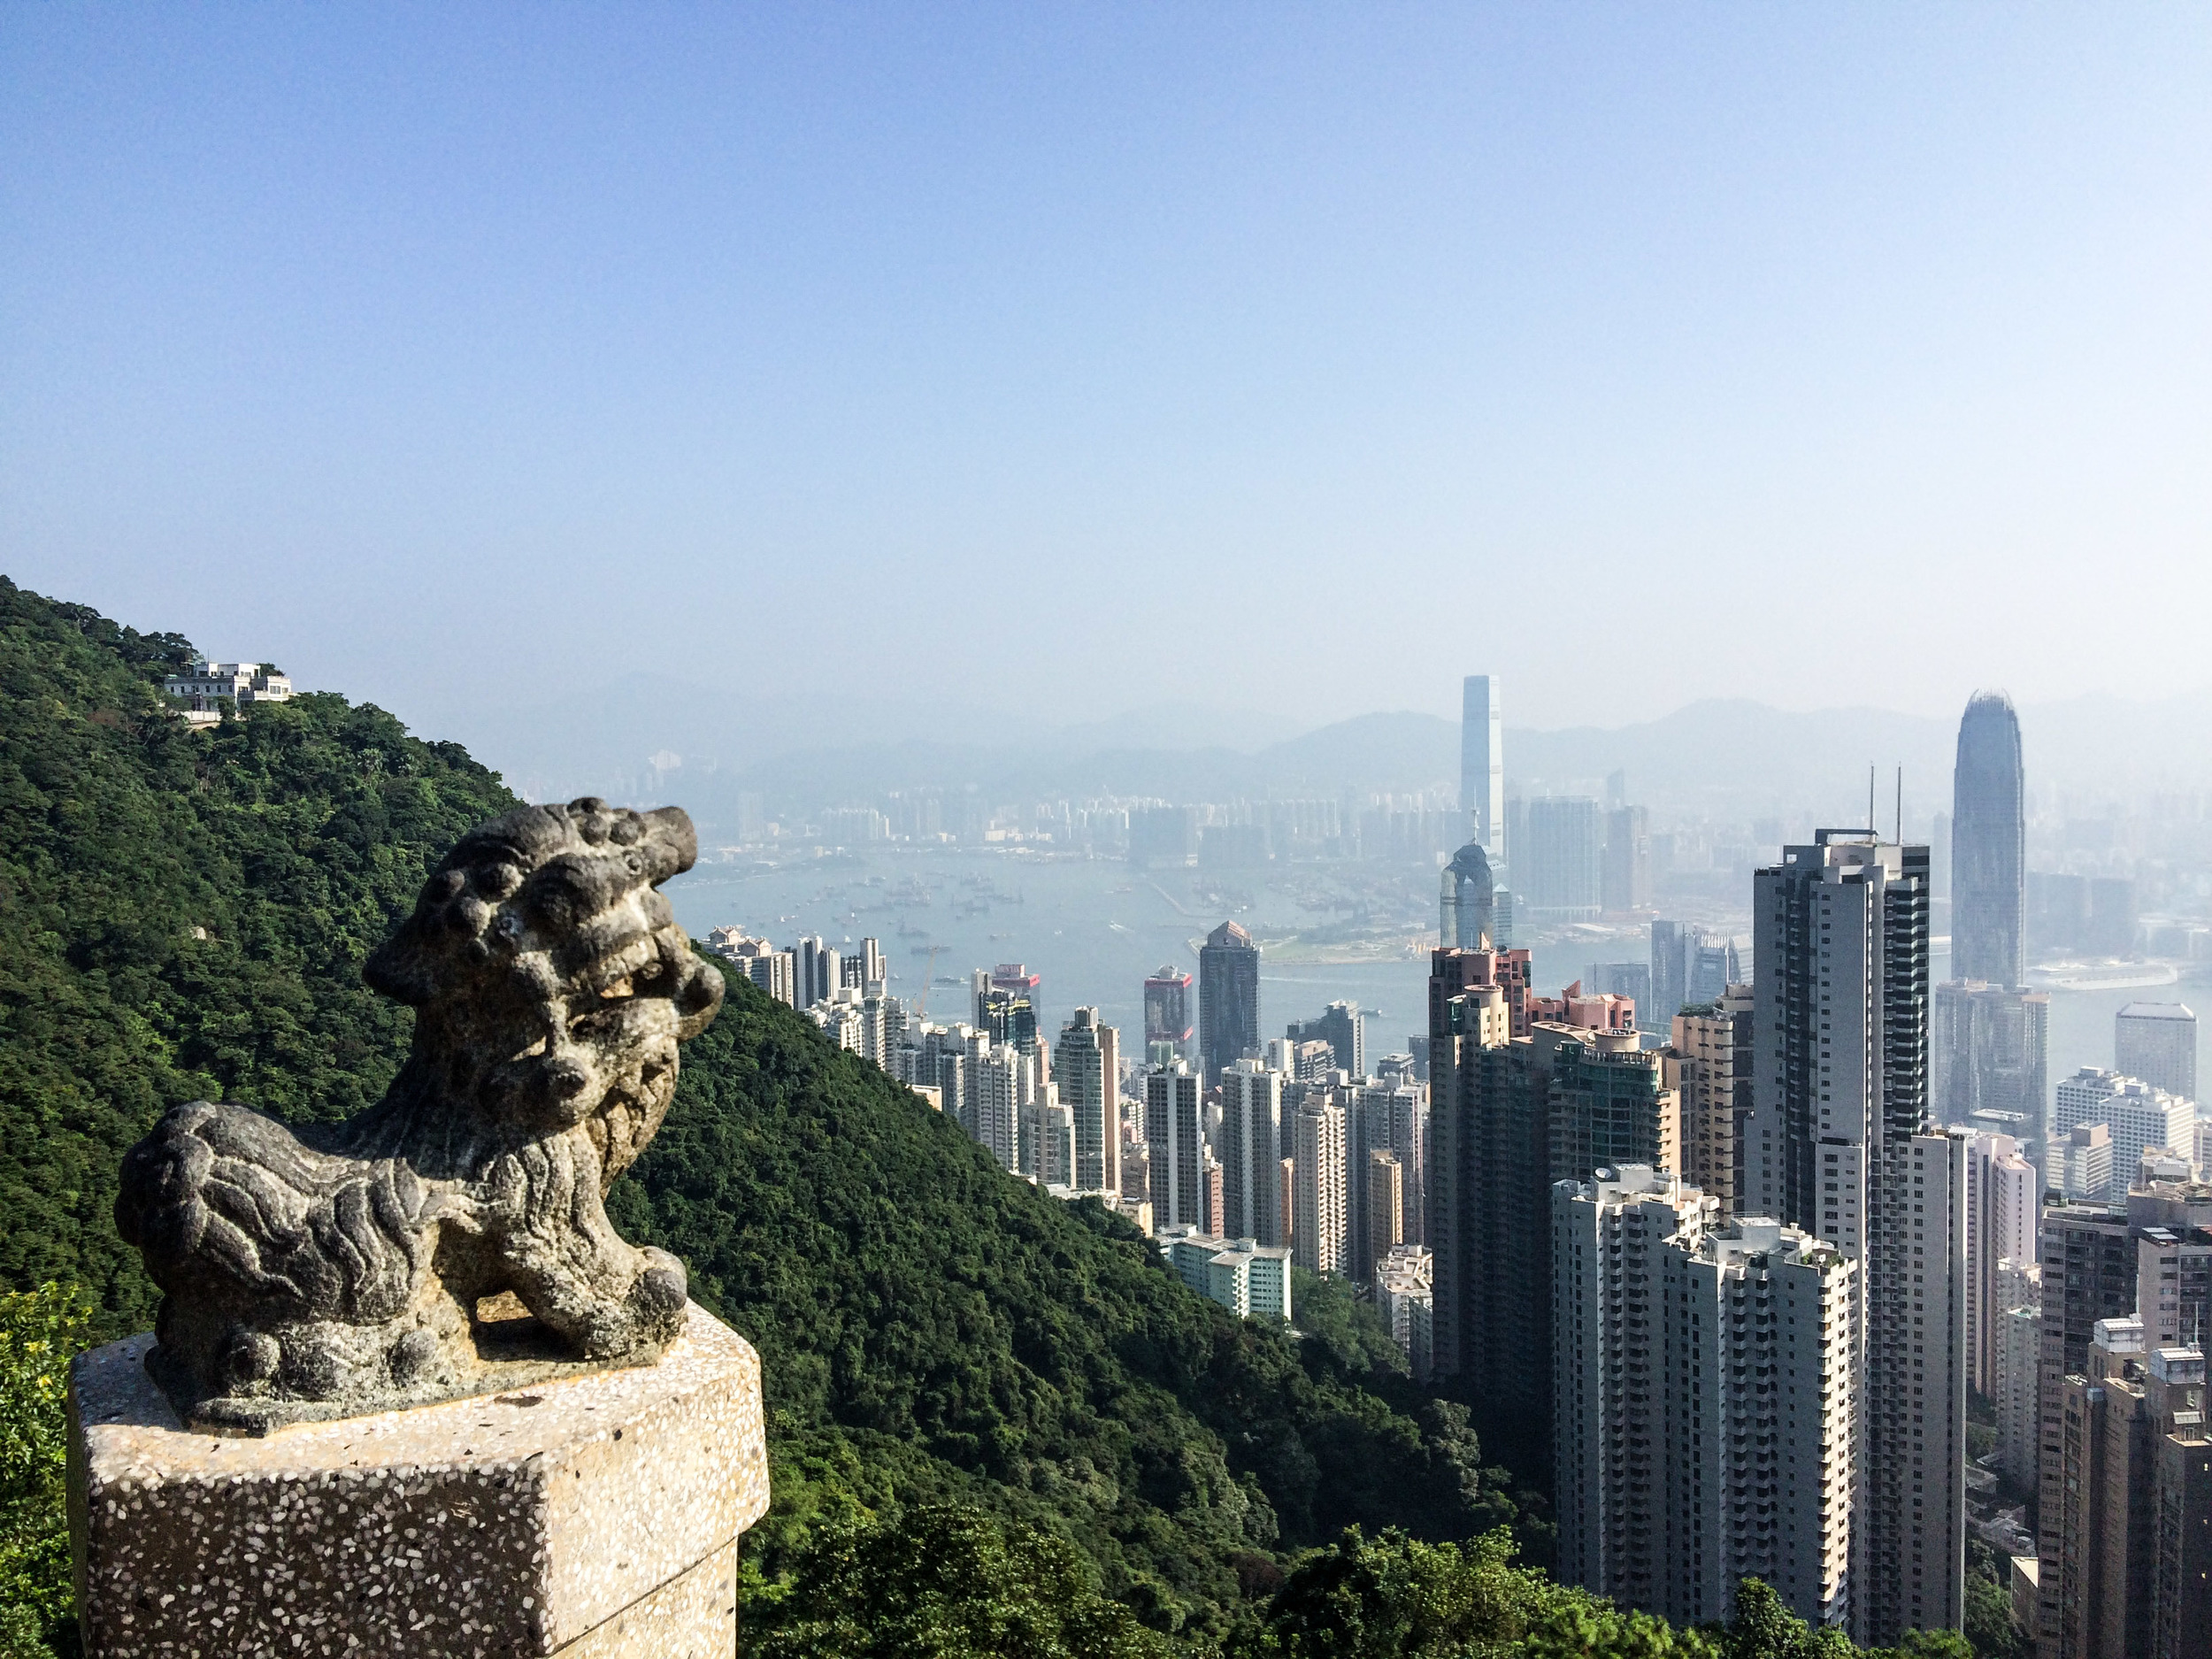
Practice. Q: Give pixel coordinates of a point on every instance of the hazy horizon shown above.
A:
(1075, 361)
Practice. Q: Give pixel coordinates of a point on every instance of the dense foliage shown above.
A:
(39, 1330)
(183, 914)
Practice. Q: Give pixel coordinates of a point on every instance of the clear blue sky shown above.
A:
(1302, 358)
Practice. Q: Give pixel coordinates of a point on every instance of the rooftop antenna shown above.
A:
(1901, 806)
(1871, 830)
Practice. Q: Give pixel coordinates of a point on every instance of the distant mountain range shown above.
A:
(654, 736)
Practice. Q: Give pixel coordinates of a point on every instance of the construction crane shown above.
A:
(921, 1005)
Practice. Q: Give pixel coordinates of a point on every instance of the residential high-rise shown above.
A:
(2018, 1348)
(1168, 1009)
(2138, 1116)
(1393, 1116)
(1556, 873)
(1482, 767)
(2135, 1524)
(1344, 1028)
(1708, 1065)
(1404, 1296)
(1988, 846)
(1087, 1065)
(816, 971)
(1677, 1474)
(2088, 1276)
(1174, 1140)
(2003, 1199)
(1989, 1052)
(1467, 902)
(1249, 1145)
(2157, 1041)
(997, 1075)
(1486, 1187)
(1386, 1205)
(1839, 1145)
(1228, 1000)
(1320, 1229)
(1610, 1104)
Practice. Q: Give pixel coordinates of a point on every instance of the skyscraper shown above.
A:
(1250, 1145)
(2157, 1041)
(1321, 1226)
(1482, 767)
(1839, 1144)
(1708, 1065)
(1467, 903)
(1989, 1051)
(2139, 1115)
(1624, 878)
(1675, 1480)
(1174, 1139)
(1167, 1011)
(1087, 1065)
(1344, 1028)
(2003, 1199)
(1228, 1000)
(1555, 874)
(1988, 845)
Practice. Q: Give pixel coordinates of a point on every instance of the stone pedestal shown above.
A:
(590, 1517)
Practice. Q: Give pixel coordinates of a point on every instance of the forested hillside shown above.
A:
(184, 914)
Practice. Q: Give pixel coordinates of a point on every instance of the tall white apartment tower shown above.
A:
(1086, 1065)
(1174, 1139)
(1839, 1145)
(2003, 1199)
(1703, 1402)
(1249, 1145)
(1482, 769)
(1320, 1239)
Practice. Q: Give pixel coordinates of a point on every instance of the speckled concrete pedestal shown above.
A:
(596, 1518)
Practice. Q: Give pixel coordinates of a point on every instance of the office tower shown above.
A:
(1839, 1145)
(1467, 901)
(1988, 846)
(2135, 1532)
(2018, 1347)
(1555, 874)
(2088, 1275)
(1344, 1028)
(2082, 1164)
(1320, 1225)
(1482, 767)
(2003, 1198)
(1989, 1052)
(1228, 1000)
(1669, 984)
(1486, 1187)
(2137, 1114)
(1167, 1011)
(2157, 1041)
(1715, 1097)
(1610, 1104)
(1088, 1068)
(1624, 872)
(1676, 1475)
(816, 971)
(1250, 1144)
(1710, 965)
(1175, 1147)
(1386, 1206)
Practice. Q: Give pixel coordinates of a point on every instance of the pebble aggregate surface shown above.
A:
(594, 1516)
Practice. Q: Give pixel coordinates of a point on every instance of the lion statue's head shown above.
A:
(549, 978)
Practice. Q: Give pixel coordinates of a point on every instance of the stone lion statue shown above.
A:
(451, 1239)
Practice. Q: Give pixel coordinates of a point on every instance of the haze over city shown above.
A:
(1287, 830)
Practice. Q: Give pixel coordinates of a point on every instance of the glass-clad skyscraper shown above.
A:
(1988, 845)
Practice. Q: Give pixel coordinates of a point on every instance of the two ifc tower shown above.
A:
(1988, 838)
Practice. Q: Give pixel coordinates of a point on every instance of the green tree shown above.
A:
(940, 1581)
(40, 1331)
